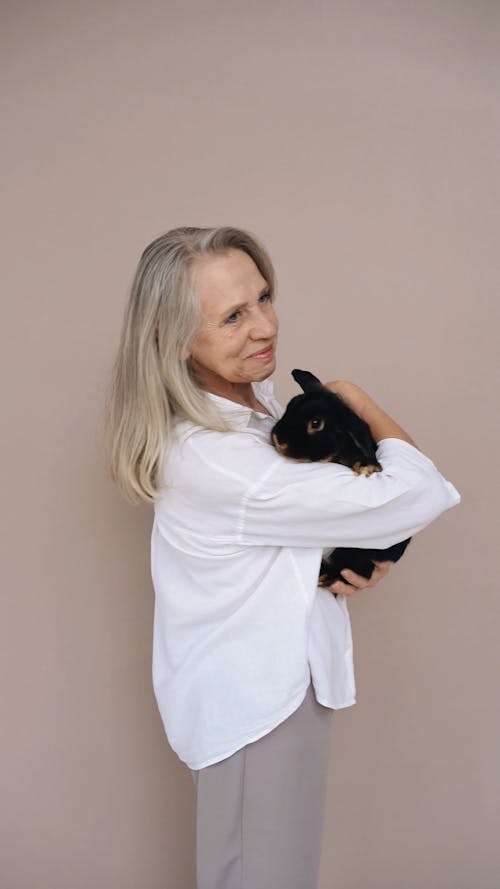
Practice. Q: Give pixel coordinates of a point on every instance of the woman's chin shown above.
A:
(267, 369)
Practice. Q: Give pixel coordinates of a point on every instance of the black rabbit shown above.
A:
(319, 425)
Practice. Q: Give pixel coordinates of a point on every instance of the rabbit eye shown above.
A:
(315, 425)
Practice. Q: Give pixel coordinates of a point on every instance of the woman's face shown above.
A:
(238, 321)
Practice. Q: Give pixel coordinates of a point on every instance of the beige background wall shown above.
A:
(359, 141)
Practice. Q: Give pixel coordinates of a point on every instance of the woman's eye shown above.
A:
(264, 297)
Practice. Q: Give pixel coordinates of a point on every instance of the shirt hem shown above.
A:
(283, 714)
(348, 703)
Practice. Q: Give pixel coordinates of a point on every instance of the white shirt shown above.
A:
(240, 624)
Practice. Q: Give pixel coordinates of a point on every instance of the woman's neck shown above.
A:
(241, 393)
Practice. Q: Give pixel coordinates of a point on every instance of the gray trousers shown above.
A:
(260, 812)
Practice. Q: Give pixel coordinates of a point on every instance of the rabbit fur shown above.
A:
(319, 426)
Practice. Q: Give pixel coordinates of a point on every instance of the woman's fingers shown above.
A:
(385, 566)
(355, 582)
(380, 570)
(342, 589)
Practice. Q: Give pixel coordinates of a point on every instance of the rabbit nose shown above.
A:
(281, 448)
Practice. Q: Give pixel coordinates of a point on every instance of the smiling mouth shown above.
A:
(264, 353)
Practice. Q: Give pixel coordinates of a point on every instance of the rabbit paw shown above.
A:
(359, 469)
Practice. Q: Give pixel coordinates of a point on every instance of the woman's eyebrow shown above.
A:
(242, 305)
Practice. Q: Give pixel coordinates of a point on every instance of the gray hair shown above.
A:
(152, 382)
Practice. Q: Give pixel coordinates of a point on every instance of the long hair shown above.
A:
(152, 383)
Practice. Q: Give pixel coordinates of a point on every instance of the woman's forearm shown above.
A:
(380, 423)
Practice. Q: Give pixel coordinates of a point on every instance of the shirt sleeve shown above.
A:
(328, 505)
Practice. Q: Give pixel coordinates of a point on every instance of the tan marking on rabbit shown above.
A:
(365, 470)
(283, 449)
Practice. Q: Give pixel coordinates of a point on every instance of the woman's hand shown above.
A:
(355, 582)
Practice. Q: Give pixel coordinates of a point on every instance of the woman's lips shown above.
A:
(266, 353)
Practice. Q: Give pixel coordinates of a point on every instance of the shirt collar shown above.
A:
(239, 415)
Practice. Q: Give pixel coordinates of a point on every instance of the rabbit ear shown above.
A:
(306, 380)
(354, 439)
(361, 442)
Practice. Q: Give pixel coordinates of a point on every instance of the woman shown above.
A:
(250, 656)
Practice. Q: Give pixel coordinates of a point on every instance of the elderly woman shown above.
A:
(250, 655)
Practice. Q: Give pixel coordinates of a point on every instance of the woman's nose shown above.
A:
(264, 327)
